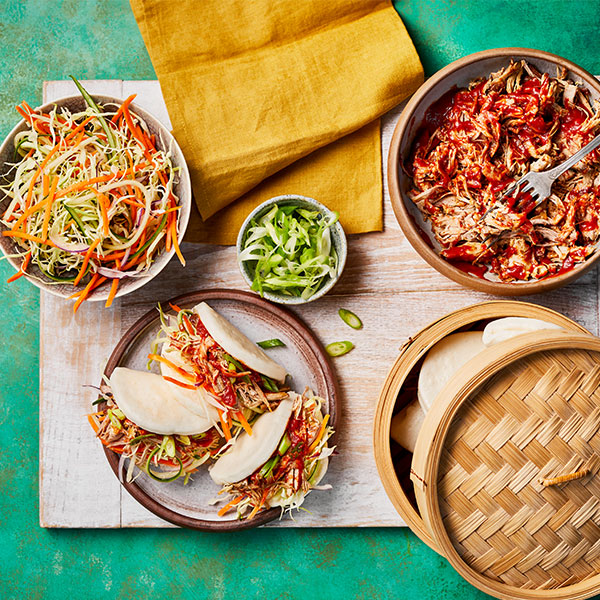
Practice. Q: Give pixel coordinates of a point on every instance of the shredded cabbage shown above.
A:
(289, 251)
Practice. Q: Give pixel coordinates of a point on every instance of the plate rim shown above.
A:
(312, 343)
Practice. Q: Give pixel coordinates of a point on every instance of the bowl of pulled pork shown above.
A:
(471, 131)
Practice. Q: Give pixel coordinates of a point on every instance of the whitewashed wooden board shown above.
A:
(385, 282)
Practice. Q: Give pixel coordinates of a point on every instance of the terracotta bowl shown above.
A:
(458, 75)
(183, 190)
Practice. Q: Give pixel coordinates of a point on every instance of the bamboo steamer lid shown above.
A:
(399, 389)
(506, 468)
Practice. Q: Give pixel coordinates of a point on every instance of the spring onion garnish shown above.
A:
(339, 348)
(350, 318)
(289, 251)
(90, 198)
(273, 343)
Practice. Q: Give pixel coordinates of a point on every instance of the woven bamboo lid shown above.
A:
(492, 465)
(400, 388)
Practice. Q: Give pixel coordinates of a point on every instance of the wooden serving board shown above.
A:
(385, 282)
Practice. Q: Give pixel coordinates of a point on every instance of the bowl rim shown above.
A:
(342, 250)
(405, 219)
(101, 295)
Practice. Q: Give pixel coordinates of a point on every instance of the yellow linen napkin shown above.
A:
(252, 87)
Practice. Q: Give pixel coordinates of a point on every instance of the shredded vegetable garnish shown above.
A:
(289, 251)
(350, 318)
(274, 343)
(90, 197)
(293, 469)
(163, 457)
(475, 142)
(237, 391)
(339, 348)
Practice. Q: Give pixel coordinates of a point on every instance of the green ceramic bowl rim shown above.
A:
(339, 243)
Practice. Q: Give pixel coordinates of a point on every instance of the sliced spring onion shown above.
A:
(350, 318)
(269, 383)
(162, 475)
(273, 343)
(141, 437)
(339, 348)
(284, 444)
(289, 251)
(268, 467)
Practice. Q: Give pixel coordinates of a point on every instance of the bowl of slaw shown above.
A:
(139, 186)
(291, 249)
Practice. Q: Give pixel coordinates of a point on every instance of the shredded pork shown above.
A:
(475, 142)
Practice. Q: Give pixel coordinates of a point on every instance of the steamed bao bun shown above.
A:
(444, 359)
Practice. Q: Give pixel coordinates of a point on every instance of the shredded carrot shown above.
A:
(125, 104)
(242, 419)
(86, 260)
(179, 383)
(175, 307)
(113, 287)
(172, 365)
(84, 294)
(319, 435)
(176, 242)
(48, 210)
(104, 203)
(93, 423)
(258, 506)
(27, 236)
(21, 270)
(224, 425)
(80, 185)
(231, 504)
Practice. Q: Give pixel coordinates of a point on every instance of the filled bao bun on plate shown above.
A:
(285, 457)
(218, 396)
(156, 405)
(204, 350)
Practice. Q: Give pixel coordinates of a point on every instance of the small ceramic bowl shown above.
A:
(338, 242)
(182, 189)
(458, 75)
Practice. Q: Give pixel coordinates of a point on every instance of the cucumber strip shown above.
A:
(157, 475)
(92, 104)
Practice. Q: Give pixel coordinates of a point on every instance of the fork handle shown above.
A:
(564, 166)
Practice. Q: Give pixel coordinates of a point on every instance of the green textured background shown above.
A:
(94, 40)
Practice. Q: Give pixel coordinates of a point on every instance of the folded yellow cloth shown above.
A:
(254, 86)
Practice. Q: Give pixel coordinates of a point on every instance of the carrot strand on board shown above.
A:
(84, 294)
(113, 292)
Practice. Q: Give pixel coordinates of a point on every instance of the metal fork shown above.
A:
(538, 184)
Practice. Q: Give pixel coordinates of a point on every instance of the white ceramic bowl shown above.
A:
(183, 190)
(338, 242)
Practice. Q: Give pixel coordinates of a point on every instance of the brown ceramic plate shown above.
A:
(303, 356)
(459, 74)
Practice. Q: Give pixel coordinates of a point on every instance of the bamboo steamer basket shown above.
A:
(506, 468)
(400, 388)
